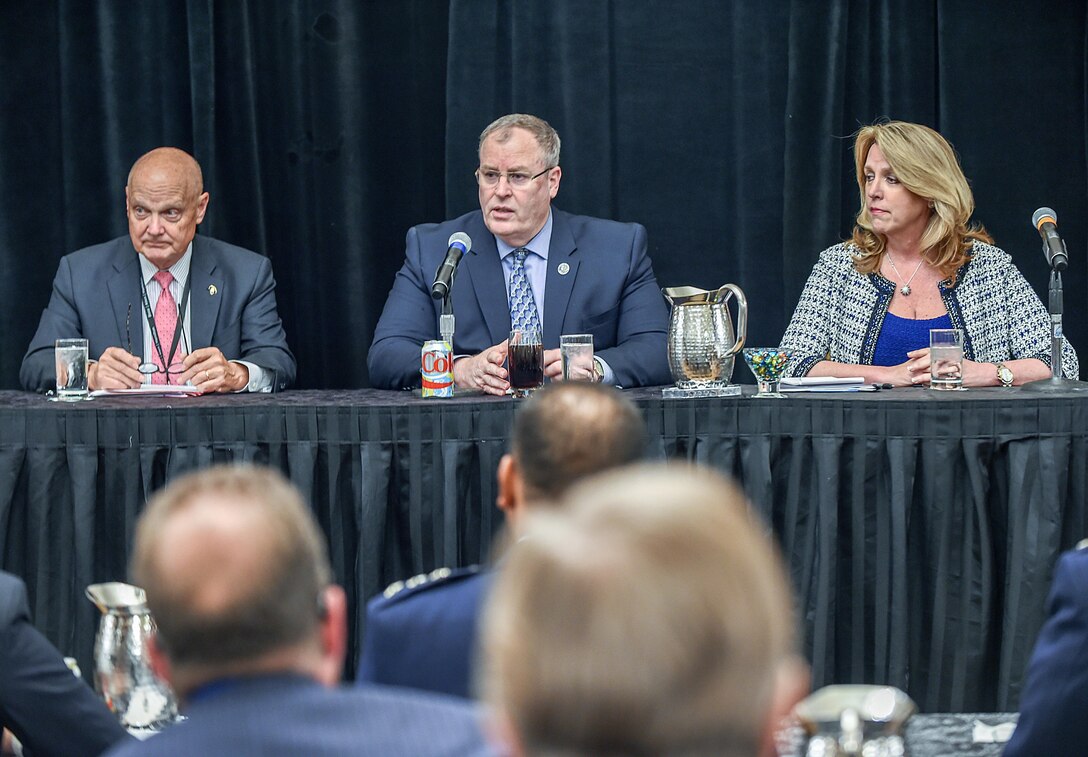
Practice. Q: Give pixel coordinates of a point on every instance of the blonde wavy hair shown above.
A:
(925, 164)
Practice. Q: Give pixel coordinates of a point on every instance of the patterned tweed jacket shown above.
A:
(841, 312)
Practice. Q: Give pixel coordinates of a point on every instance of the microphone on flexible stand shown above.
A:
(1045, 222)
(459, 245)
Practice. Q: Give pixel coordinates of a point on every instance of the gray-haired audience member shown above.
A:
(423, 634)
(649, 616)
(252, 632)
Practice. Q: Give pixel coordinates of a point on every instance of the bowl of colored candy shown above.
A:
(767, 365)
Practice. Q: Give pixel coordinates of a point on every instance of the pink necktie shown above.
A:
(166, 322)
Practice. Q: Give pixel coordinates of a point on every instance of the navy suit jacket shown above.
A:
(292, 715)
(1055, 695)
(608, 290)
(425, 637)
(96, 295)
(47, 708)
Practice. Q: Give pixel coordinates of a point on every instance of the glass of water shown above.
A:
(71, 362)
(576, 352)
(946, 359)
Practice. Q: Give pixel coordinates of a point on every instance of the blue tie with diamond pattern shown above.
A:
(523, 314)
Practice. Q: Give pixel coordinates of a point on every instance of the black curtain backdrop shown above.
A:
(327, 128)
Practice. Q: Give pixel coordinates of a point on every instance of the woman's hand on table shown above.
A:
(974, 374)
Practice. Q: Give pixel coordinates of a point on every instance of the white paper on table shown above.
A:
(826, 384)
(151, 390)
(1000, 733)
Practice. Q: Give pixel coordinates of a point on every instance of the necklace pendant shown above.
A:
(905, 290)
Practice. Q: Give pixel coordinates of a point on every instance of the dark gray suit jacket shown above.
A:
(47, 708)
(292, 715)
(599, 281)
(1055, 692)
(96, 295)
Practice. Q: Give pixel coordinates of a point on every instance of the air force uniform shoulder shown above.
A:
(421, 633)
(401, 590)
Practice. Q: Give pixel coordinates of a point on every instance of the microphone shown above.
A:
(1045, 221)
(460, 243)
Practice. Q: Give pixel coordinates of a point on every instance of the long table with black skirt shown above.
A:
(920, 528)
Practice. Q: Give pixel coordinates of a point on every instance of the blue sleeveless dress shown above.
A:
(898, 336)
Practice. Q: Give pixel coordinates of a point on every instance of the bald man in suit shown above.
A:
(229, 337)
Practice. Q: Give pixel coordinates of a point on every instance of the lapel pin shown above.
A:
(212, 290)
(564, 269)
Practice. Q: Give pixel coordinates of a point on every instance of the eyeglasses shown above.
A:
(173, 370)
(515, 179)
(148, 369)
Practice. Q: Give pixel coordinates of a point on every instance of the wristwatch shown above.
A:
(598, 370)
(1004, 375)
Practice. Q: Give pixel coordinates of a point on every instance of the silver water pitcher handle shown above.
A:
(742, 317)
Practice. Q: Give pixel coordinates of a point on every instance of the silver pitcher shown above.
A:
(702, 343)
(122, 671)
(855, 720)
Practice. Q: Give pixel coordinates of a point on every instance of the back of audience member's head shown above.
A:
(648, 616)
(237, 577)
(570, 430)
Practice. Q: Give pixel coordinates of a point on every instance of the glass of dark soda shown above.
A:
(526, 361)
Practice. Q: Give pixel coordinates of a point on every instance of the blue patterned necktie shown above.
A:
(523, 313)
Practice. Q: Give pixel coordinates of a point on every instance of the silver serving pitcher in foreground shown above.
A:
(122, 671)
(702, 343)
(855, 720)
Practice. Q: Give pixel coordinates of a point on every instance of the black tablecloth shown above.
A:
(920, 528)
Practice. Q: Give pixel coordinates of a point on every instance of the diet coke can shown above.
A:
(437, 369)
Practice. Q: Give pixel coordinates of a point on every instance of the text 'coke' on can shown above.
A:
(437, 369)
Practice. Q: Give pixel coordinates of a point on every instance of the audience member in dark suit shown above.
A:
(585, 276)
(229, 335)
(50, 711)
(252, 634)
(648, 615)
(1055, 695)
(422, 633)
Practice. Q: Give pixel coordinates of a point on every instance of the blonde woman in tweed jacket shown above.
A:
(914, 264)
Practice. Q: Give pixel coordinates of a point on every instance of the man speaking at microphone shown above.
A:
(585, 276)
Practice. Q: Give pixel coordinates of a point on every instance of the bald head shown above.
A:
(571, 430)
(214, 552)
(165, 202)
(173, 165)
(233, 565)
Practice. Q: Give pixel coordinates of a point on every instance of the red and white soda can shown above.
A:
(437, 369)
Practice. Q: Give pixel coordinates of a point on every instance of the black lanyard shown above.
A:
(151, 319)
